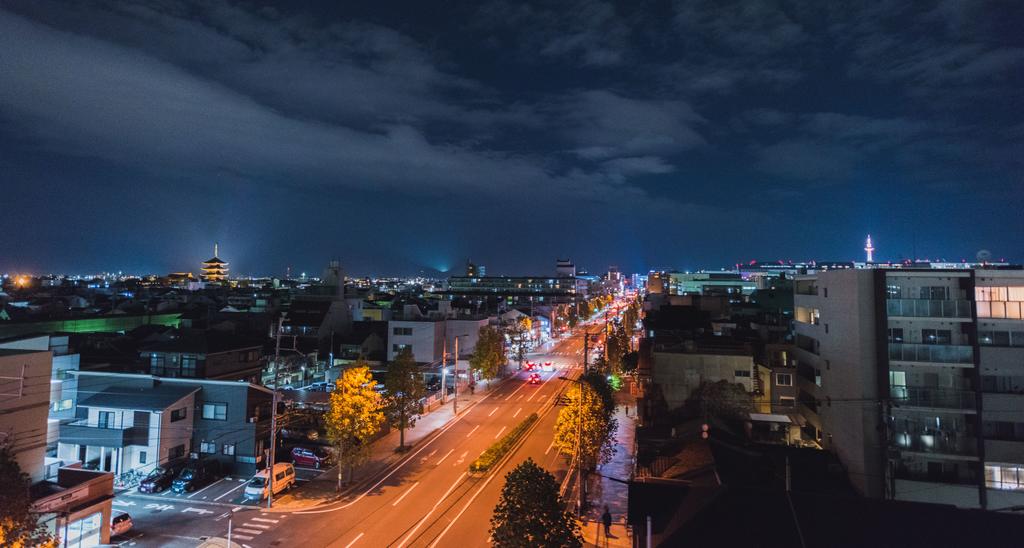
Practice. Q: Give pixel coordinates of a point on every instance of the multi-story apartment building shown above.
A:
(915, 378)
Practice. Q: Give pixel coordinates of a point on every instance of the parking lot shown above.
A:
(226, 490)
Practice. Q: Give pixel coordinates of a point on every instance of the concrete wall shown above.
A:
(25, 405)
(679, 374)
(848, 363)
(427, 339)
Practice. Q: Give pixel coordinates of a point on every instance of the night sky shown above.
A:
(402, 137)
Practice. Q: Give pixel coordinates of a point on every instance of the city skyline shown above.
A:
(687, 135)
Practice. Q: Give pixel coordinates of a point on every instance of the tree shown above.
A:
(587, 420)
(617, 345)
(355, 417)
(722, 399)
(489, 353)
(603, 388)
(405, 388)
(518, 333)
(572, 317)
(19, 527)
(529, 512)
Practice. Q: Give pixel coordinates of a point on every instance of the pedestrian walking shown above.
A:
(606, 519)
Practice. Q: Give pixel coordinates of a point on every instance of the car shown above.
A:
(548, 366)
(534, 378)
(284, 479)
(160, 478)
(196, 475)
(306, 457)
(530, 366)
(120, 523)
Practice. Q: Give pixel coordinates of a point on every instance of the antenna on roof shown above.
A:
(215, 254)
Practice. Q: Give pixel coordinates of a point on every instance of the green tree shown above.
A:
(572, 317)
(616, 346)
(19, 527)
(405, 388)
(603, 388)
(586, 420)
(489, 353)
(354, 418)
(529, 512)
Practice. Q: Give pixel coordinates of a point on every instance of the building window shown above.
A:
(1008, 477)
(84, 532)
(215, 411)
(404, 331)
(176, 452)
(784, 379)
(156, 365)
(742, 373)
(208, 447)
(178, 414)
(936, 336)
(399, 347)
(142, 457)
(895, 334)
(935, 293)
(106, 419)
(228, 449)
(825, 291)
(188, 366)
(786, 401)
(63, 405)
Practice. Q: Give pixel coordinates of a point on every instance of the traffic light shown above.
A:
(705, 431)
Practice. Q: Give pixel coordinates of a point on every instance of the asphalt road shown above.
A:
(426, 499)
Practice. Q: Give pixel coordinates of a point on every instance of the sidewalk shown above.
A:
(321, 490)
(614, 494)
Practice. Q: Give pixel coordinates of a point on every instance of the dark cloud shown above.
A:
(623, 119)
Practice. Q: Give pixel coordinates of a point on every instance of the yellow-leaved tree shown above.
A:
(355, 417)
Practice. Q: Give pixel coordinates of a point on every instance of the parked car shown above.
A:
(548, 366)
(120, 523)
(258, 486)
(161, 478)
(196, 475)
(306, 457)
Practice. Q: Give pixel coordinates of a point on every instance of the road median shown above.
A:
(493, 454)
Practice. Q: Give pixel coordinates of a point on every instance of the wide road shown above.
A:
(426, 499)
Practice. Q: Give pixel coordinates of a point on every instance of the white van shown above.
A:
(284, 479)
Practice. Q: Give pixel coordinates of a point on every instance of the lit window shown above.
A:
(784, 379)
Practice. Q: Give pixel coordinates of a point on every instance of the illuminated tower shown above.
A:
(214, 269)
(870, 250)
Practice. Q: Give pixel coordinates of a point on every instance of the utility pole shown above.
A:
(455, 383)
(444, 365)
(586, 350)
(273, 415)
(579, 452)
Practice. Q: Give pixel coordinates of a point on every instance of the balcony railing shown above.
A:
(85, 433)
(932, 353)
(936, 441)
(928, 308)
(933, 397)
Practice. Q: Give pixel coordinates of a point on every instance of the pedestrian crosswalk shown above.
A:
(252, 528)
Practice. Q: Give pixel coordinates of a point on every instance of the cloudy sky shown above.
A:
(407, 136)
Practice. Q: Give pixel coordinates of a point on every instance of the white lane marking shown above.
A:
(517, 412)
(510, 396)
(199, 511)
(204, 488)
(266, 520)
(452, 422)
(492, 411)
(226, 493)
(531, 397)
(243, 537)
(249, 531)
(436, 504)
(473, 430)
(359, 536)
(445, 456)
(259, 525)
(520, 397)
(500, 431)
(462, 458)
(404, 494)
(548, 450)
(540, 399)
(457, 516)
